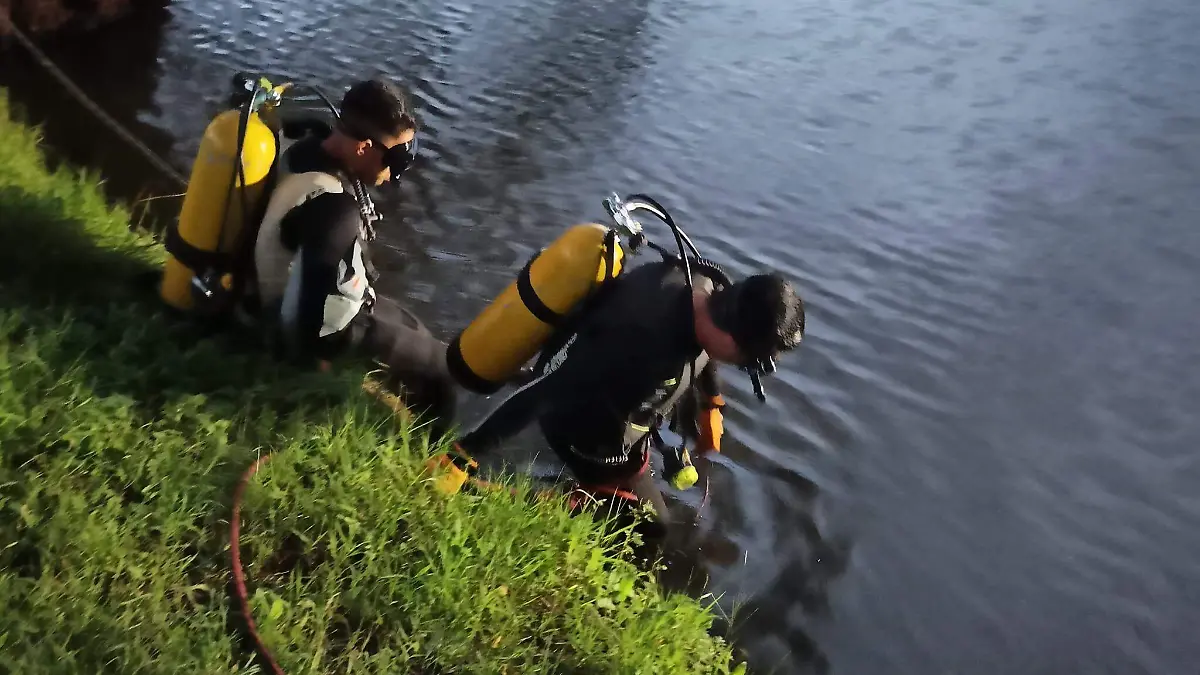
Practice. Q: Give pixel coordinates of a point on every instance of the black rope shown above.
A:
(95, 109)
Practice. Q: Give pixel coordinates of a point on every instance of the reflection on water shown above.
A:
(532, 107)
(118, 69)
(983, 458)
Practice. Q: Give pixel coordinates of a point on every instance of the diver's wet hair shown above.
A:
(763, 313)
(377, 107)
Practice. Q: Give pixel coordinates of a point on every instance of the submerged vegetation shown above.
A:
(123, 434)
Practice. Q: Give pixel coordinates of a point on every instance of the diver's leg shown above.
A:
(642, 485)
(416, 362)
(631, 480)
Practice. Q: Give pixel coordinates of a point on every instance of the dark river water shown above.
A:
(984, 458)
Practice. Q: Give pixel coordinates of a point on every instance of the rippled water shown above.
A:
(984, 458)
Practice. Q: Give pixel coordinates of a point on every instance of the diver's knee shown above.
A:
(433, 396)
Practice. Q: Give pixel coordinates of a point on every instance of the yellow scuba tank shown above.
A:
(210, 220)
(511, 330)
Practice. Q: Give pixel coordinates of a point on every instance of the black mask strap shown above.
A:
(725, 310)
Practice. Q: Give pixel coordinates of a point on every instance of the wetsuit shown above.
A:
(328, 306)
(608, 377)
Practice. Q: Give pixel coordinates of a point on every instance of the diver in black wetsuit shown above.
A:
(610, 377)
(312, 263)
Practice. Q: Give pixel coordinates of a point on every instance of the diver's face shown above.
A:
(385, 159)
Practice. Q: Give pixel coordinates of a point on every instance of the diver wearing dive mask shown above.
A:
(616, 370)
(315, 277)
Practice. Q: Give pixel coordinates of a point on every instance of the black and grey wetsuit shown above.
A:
(609, 376)
(316, 278)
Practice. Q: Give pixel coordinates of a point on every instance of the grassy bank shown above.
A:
(122, 435)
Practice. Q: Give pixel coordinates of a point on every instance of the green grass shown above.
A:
(123, 434)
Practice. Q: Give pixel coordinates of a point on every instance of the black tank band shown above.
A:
(193, 258)
(531, 300)
(462, 372)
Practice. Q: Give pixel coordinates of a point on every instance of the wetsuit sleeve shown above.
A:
(325, 228)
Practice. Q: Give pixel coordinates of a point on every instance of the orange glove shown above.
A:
(711, 425)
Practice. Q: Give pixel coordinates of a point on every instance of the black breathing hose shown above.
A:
(636, 201)
(239, 172)
(321, 95)
(243, 125)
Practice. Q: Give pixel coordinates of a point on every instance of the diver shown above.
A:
(315, 279)
(607, 380)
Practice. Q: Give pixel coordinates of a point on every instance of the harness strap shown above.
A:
(193, 258)
(618, 490)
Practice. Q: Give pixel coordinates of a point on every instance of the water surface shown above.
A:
(983, 460)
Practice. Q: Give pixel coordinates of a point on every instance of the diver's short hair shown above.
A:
(763, 313)
(377, 107)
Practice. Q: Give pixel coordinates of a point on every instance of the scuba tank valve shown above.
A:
(626, 224)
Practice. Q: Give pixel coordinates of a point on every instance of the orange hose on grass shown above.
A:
(239, 575)
(235, 527)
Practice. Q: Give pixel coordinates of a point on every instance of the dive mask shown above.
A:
(398, 157)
